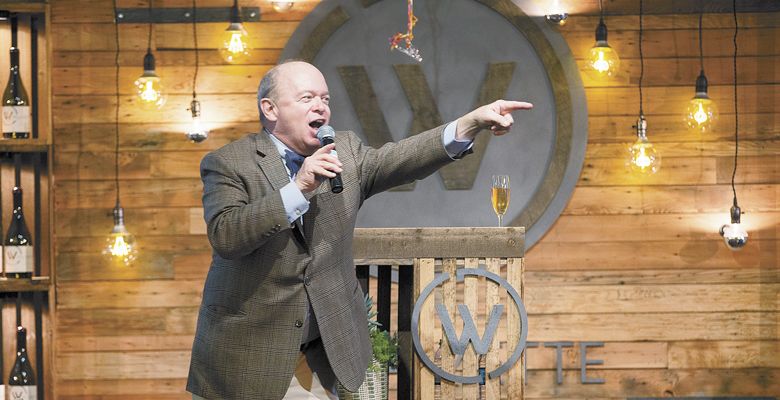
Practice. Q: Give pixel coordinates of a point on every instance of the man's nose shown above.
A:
(319, 105)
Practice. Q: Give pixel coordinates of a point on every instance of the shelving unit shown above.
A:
(28, 162)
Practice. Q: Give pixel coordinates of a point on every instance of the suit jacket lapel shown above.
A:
(270, 162)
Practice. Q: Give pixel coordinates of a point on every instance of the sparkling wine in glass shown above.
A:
(500, 195)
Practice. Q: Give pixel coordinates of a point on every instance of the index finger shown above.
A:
(325, 149)
(506, 106)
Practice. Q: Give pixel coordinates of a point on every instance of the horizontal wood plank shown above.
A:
(668, 254)
(654, 227)
(671, 128)
(180, 245)
(141, 165)
(104, 295)
(724, 149)
(118, 365)
(724, 354)
(126, 321)
(726, 298)
(70, 344)
(90, 222)
(139, 193)
(684, 69)
(549, 279)
(672, 326)
(438, 242)
(656, 44)
(176, 79)
(88, 137)
(587, 23)
(79, 11)
(100, 36)
(671, 199)
(217, 109)
(656, 383)
(121, 387)
(170, 57)
(94, 266)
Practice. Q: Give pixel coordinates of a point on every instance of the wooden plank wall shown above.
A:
(634, 263)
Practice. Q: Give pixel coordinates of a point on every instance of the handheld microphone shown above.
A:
(326, 134)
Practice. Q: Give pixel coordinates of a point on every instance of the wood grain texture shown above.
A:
(634, 262)
(438, 242)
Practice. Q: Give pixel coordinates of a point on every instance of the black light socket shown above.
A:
(149, 61)
(601, 31)
(736, 214)
(701, 83)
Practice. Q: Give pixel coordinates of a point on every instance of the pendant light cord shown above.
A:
(116, 109)
(195, 39)
(601, 12)
(701, 38)
(149, 37)
(641, 58)
(736, 108)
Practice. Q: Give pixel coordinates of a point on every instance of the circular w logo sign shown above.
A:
(470, 334)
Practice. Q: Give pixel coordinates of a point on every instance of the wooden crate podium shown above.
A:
(421, 255)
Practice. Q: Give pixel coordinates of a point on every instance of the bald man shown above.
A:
(282, 315)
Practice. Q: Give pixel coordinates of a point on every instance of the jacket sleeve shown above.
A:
(398, 163)
(235, 226)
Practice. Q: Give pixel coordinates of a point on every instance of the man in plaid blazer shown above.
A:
(282, 314)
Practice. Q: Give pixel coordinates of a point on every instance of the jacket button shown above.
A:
(298, 323)
(307, 281)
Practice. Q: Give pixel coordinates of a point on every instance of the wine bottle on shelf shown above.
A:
(18, 251)
(21, 382)
(16, 103)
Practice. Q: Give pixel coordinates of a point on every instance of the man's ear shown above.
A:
(269, 109)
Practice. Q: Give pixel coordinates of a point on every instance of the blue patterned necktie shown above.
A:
(293, 161)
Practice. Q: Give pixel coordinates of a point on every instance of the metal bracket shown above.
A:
(182, 15)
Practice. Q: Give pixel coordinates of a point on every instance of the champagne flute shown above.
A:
(500, 195)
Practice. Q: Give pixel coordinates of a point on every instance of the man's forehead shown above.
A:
(301, 78)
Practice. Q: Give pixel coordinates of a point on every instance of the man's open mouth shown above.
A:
(317, 123)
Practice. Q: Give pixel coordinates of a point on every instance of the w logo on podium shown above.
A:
(481, 344)
(470, 334)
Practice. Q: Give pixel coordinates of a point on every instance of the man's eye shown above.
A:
(326, 100)
(306, 98)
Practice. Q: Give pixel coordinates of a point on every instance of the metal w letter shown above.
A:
(470, 334)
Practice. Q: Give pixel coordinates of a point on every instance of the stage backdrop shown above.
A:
(474, 52)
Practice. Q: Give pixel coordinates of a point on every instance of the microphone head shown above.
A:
(325, 131)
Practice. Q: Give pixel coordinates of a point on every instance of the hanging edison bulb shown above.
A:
(281, 6)
(148, 86)
(701, 113)
(196, 132)
(235, 40)
(120, 245)
(643, 156)
(603, 60)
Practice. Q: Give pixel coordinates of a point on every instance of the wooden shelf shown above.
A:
(23, 146)
(36, 284)
(25, 6)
